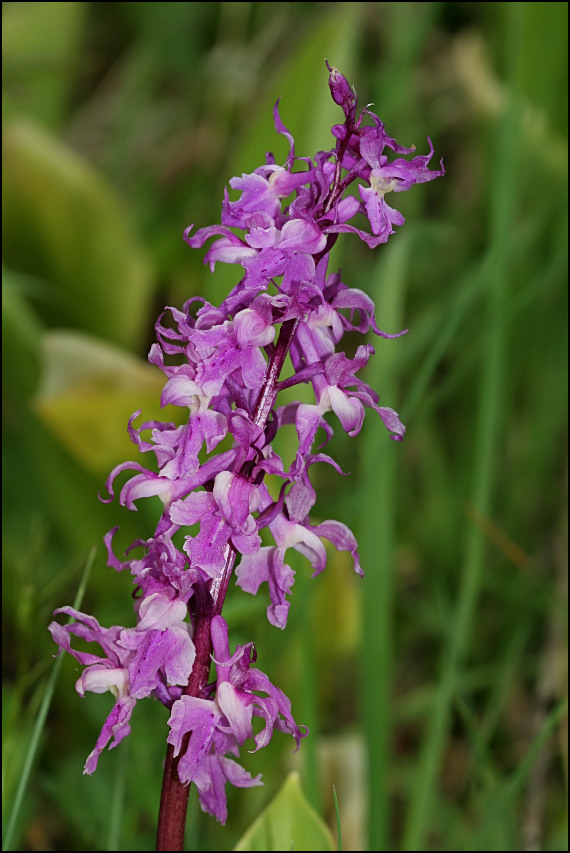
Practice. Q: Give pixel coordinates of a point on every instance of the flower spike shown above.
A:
(222, 367)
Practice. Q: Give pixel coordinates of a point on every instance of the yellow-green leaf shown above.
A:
(88, 391)
(288, 823)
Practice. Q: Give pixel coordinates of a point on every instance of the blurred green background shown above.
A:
(435, 688)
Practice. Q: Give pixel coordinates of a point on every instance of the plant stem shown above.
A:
(174, 796)
(207, 603)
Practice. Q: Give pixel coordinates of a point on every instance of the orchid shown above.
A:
(223, 364)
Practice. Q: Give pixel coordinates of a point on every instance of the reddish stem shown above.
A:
(174, 796)
(207, 603)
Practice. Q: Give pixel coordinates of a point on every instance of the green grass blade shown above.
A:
(337, 813)
(513, 785)
(117, 810)
(376, 544)
(41, 718)
(502, 203)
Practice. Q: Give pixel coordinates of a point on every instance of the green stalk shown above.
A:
(487, 441)
(376, 545)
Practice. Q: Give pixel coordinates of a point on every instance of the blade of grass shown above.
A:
(309, 679)
(116, 816)
(513, 785)
(378, 478)
(41, 718)
(469, 289)
(337, 812)
(502, 202)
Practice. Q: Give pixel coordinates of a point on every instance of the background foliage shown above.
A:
(435, 688)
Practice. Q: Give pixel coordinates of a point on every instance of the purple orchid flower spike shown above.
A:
(222, 367)
(204, 731)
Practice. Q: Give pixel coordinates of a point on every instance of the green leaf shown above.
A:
(288, 823)
(66, 227)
